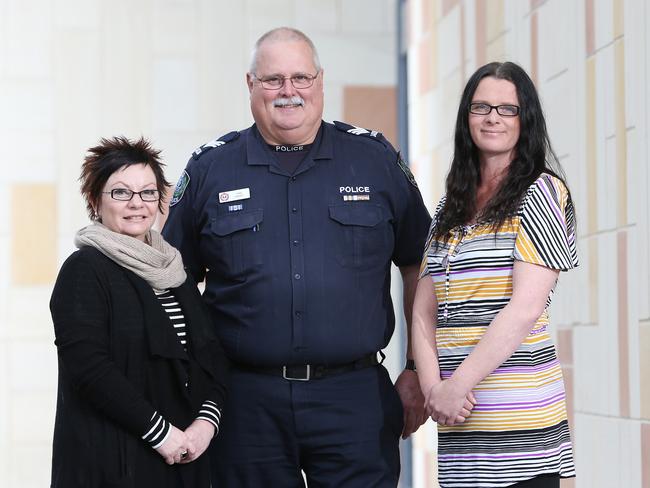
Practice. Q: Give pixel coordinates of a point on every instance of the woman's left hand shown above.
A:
(448, 404)
(200, 432)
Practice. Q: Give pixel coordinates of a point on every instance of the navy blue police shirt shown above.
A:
(297, 267)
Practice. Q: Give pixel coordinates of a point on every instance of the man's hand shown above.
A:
(408, 389)
(200, 433)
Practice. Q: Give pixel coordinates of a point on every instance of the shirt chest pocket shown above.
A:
(235, 242)
(363, 237)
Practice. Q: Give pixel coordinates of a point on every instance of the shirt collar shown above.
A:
(259, 154)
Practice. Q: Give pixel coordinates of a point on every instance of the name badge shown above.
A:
(234, 195)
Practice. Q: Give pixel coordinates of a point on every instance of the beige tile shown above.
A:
(481, 32)
(372, 107)
(448, 5)
(565, 346)
(494, 20)
(621, 133)
(567, 483)
(432, 471)
(618, 20)
(623, 324)
(645, 455)
(409, 22)
(590, 27)
(427, 59)
(428, 15)
(33, 223)
(644, 369)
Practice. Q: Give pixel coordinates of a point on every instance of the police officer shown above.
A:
(294, 223)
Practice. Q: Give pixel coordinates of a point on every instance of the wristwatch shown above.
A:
(410, 365)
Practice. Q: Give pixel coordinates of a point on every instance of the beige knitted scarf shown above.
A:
(154, 260)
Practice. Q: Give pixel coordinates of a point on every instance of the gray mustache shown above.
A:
(281, 102)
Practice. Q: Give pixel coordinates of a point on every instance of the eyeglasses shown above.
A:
(503, 110)
(125, 195)
(275, 82)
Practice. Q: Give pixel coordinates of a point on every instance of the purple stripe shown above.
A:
(495, 407)
(527, 369)
(515, 369)
(545, 453)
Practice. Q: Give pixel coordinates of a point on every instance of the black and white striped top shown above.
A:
(159, 428)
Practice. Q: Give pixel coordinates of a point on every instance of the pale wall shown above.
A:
(589, 59)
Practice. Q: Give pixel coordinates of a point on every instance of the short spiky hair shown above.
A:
(111, 155)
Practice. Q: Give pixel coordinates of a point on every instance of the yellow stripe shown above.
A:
(450, 337)
(498, 424)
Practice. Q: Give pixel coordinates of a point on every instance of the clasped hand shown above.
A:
(447, 404)
(183, 447)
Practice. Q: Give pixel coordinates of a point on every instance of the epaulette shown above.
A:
(377, 136)
(201, 150)
(358, 131)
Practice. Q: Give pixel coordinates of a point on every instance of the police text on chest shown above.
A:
(354, 189)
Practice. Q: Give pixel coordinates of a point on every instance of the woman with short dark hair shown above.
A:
(498, 240)
(141, 373)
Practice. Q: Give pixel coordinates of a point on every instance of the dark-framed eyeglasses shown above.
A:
(125, 195)
(478, 108)
(275, 82)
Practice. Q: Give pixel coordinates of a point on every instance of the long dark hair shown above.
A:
(533, 156)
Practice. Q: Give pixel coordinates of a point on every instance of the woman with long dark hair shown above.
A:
(499, 238)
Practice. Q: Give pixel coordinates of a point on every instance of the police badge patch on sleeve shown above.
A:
(183, 181)
(405, 168)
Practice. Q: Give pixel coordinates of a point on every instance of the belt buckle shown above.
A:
(307, 376)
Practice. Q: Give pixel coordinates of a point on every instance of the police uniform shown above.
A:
(297, 270)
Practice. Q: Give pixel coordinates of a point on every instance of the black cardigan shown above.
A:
(119, 361)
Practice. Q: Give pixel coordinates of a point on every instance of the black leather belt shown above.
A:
(306, 372)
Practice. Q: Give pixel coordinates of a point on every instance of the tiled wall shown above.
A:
(589, 60)
(72, 71)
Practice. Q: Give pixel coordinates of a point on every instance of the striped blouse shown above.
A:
(518, 429)
(159, 428)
